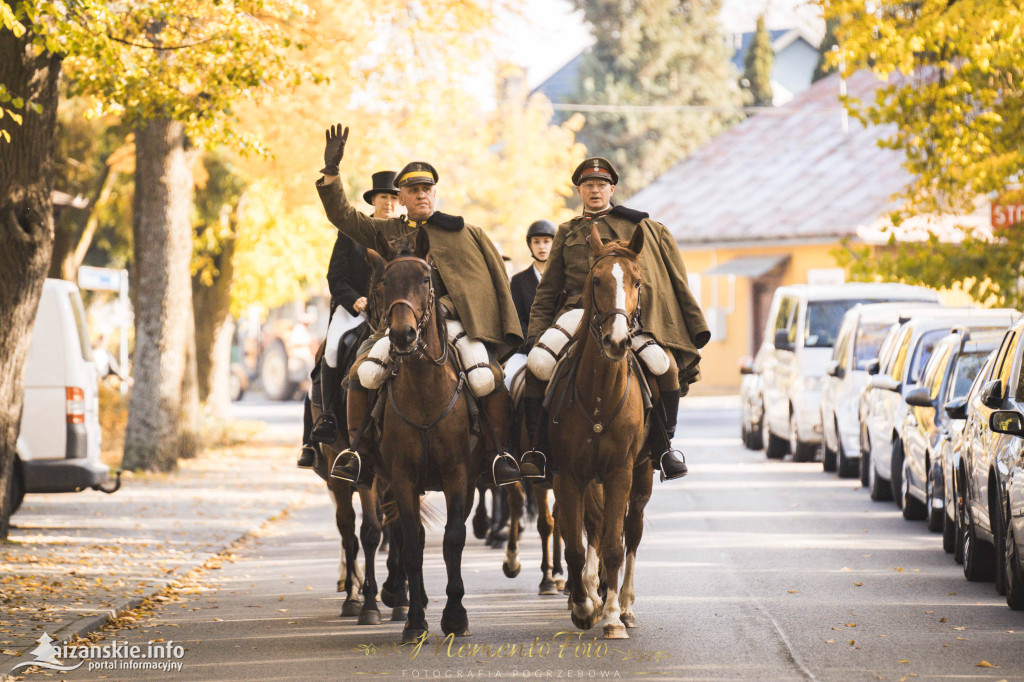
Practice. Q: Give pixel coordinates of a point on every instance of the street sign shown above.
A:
(100, 279)
(1006, 214)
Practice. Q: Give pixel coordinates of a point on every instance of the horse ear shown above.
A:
(376, 263)
(422, 244)
(636, 244)
(595, 241)
(384, 249)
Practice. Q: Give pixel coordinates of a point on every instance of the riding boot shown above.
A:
(534, 462)
(326, 428)
(307, 456)
(349, 465)
(501, 466)
(671, 462)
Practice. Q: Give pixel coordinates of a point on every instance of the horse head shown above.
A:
(408, 293)
(612, 291)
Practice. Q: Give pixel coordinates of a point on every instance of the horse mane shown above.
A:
(612, 248)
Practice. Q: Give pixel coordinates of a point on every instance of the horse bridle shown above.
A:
(421, 325)
(598, 318)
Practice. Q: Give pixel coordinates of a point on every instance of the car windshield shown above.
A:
(822, 322)
(967, 367)
(869, 342)
(925, 346)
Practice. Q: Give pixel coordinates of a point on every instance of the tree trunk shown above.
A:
(26, 228)
(163, 300)
(214, 329)
(190, 441)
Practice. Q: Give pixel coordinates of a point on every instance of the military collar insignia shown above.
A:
(590, 215)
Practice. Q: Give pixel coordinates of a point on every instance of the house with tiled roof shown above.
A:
(767, 202)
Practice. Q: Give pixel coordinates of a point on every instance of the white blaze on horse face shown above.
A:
(619, 330)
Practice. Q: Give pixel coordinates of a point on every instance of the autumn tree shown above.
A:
(954, 97)
(649, 54)
(828, 44)
(758, 64)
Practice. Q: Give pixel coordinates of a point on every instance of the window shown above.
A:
(898, 359)
(868, 343)
(1002, 364)
(821, 324)
(782, 318)
(1007, 363)
(935, 370)
(841, 354)
(925, 347)
(965, 371)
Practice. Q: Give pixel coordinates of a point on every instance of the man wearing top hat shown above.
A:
(472, 287)
(348, 278)
(669, 311)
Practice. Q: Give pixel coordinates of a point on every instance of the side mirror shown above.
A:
(782, 340)
(873, 366)
(884, 382)
(834, 369)
(992, 394)
(747, 365)
(1007, 421)
(957, 408)
(919, 397)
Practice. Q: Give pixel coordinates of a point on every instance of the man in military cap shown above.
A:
(524, 284)
(669, 311)
(348, 278)
(472, 287)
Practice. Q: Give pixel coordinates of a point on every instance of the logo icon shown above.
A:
(46, 657)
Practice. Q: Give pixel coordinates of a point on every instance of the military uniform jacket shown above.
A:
(467, 260)
(348, 275)
(669, 310)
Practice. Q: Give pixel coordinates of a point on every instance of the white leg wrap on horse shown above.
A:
(551, 343)
(334, 331)
(472, 352)
(372, 374)
(653, 355)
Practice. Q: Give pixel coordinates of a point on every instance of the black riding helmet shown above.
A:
(540, 228)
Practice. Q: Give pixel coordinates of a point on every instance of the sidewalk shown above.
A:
(74, 561)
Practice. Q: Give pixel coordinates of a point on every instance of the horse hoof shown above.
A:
(548, 587)
(351, 608)
(582, 623)
(389, 598)
(628, 619)
(615, 631)
(560, 583)
(509, 572)
(341, 586)
(464, 632)
(412, 635)
(481, 524)
(369, 618)
(400, 613)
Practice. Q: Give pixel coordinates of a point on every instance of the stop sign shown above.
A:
(1006, 214)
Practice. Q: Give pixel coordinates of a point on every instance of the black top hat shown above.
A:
(595, 168)
(383, 181)
(416, 173)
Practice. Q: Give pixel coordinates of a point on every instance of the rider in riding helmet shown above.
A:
(669, 311)
(471, 284)
(348, 278)
(539, 236)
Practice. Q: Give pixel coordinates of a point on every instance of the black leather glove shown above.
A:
(334, 150)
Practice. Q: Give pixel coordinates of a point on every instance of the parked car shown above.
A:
(802, 326)
(1010, 425)
(887, 389)
(859, 341)
(951, 455)
(925, 433)
(751, 407)
(58, 447)
(990, 450)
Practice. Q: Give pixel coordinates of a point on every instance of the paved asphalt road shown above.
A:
(749, 569)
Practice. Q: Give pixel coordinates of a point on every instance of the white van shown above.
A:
(803, 324)
(59, 441)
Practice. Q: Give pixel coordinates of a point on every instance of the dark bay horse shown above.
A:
(425, 436)
(596, 427)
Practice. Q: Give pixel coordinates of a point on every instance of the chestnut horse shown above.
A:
(596, 427)
(425, 435)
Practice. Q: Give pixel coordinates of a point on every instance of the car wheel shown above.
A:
(979, 565)
(776, 447)
(274, 373)
(846, 468)
(948, 533)
(865, 460)
(936, 513)
(879, 489)
(755, 435)
(999, 540)
(15, 490)
(802, 452)
(1014, 578)
(828, 455)
(913, 508)
(896, 472)
(959, 516)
